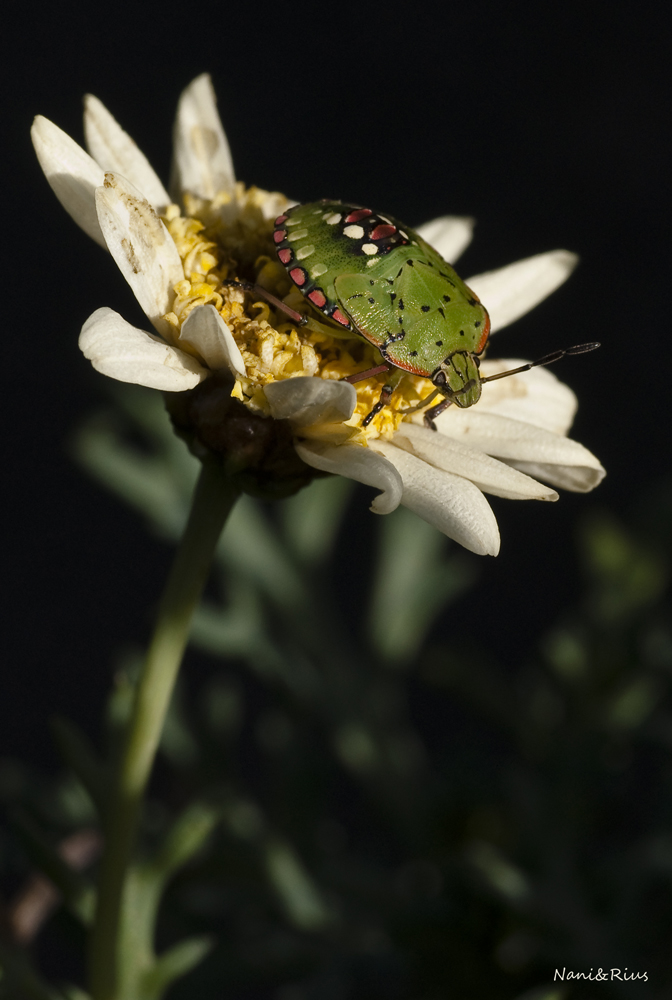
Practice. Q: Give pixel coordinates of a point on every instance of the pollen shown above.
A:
(230, 238)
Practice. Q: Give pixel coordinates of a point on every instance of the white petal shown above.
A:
(202, 157)
(142, 247)
(577, 478)
(123, 352)
(72, 174)
(115, 151)
(307, 400)
(205, 330)
(360, 464)
(512, 291)
(533, 450)
(448, 502)
(535, 397)
(450, 235)
(485, 472)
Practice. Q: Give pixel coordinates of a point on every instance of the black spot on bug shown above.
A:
(461, 333)
(439, 343)
(372, 301)
(393, 296)
(414, 354)
(442, 312)
(425, 309)
(401, 303)
(477, 323)
(446, 298)
(400, 320)
(400, 272)
(371, 281)
(472, 302)
(410, 263)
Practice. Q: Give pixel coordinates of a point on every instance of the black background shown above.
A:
(547, 122)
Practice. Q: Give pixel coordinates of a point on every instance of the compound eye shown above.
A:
(439, 378)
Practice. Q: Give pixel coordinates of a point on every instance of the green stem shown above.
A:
(212, 502)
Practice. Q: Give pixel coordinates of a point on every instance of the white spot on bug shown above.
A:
(403, 234)
(332, 218)
(384, 218)
(294, 222)
(319, 269)
(298, 235)
(371, 262)
(369, 248)
(304, 252)
(316, 211)
(354, 232)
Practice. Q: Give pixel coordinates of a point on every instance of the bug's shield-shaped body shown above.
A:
(373, 275)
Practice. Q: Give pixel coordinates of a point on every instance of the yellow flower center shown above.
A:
(230, 237)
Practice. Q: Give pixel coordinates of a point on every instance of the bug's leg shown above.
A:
(369, 373)
(433, 412)
(385, 396)
(421, 404)
(248, 286)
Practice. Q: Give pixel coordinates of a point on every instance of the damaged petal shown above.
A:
(141, 246)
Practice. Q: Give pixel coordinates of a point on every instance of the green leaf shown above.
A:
(312, 517)
(414, 580)
(174, 962)
(187, 836)
(298, 892)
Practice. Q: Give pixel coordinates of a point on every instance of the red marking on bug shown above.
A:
(285, 255)
(484, 336)
(340, 318)
(280, 219)
(279, 235)
(318, 298)
(298, 275)
(381, 231)
(359, 213)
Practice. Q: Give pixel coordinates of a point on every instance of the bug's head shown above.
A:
(458, 379)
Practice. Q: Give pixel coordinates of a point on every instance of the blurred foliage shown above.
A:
(350, 809)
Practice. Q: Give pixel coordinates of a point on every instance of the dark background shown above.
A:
(547, 122)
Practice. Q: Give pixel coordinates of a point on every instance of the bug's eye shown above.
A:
(439, 378)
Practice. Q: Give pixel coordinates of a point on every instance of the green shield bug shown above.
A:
(374, 277)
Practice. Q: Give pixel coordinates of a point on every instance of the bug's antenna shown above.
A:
(548, 359)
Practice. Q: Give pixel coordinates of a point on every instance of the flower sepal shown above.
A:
(257, 452)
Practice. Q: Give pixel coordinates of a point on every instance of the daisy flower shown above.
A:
(178, 250)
